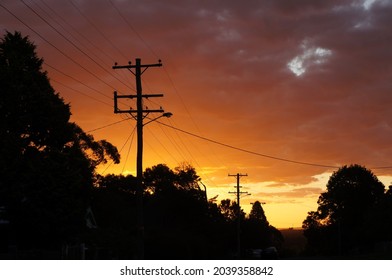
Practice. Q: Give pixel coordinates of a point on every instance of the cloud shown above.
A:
(310, 56)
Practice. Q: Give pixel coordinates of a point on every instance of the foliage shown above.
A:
(47, 163)
(257, 213)
(258, 233)
(342, 222)
(180, 223)
(229, 210)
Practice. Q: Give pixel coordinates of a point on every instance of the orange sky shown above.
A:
(308, 81)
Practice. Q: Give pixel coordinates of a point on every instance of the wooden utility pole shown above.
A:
(139, 114)
(238, 194)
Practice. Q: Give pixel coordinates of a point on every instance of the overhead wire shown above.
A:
(97, 29)
(55, 47)
(80, 92)
(74, 45)
(248, 151)
(76, 80)
(68, 23)
(151, 147)
(175, 146)
(107, 125)
(85, 38)
(257, 153)
(167, 151)
(133, 29)
(212, 151)
(126, 141)
(67, 56)
(82, 83)
(129, 150)
(57, 18)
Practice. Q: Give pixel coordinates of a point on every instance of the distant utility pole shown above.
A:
(139, 114)
(238, 194)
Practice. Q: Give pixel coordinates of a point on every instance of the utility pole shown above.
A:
(238, 194)
(139, 114)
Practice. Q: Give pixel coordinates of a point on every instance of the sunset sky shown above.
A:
(284, 91)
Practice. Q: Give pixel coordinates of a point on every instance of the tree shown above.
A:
(47, 163)
(179, 222)
(159, 179)
(257, 213)
(258, 233)
(229, 210)
(379, 221)
(342, 217)
(187, 177)
(176, 211)
(114, 207)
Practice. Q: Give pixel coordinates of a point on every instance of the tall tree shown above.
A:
(47, 163)
(353, 192)
(258, 233)
(257, 213)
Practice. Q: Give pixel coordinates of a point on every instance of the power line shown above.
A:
(189, 152)
(68, 23)
(260, 154)
(129, 150)
(97, 29)
(80, 92)
(84, 84)
(189, 113)
(105, 126)
(133, 29)
(126, 141)
(242, 149)
(246, 151)
(73, 44)
(55, 47)
(151, 147)
(175, 145)
(63, 53)
(77, 80)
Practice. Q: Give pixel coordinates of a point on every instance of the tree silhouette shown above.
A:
(344, 212)
(257, 213)
(179, 222)
(258, 233)
(176, 212)
(229, 210)
(114, 207)
(47, 163)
